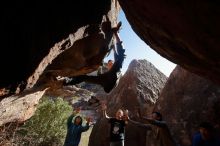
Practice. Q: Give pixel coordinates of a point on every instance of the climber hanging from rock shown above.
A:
(109, 79)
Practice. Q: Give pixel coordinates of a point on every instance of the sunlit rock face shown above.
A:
(185, 32)
(34, 34)
(139, 87)
(186, 101)
(19, 108)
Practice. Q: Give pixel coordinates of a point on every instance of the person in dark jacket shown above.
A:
(75, 129)
(160, 132)
(206, 136)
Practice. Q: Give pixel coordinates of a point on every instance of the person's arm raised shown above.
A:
(155, 122)
(125, 117)
(104, 107)
(147, 126)
(139, 124)
(86, 127)
(115, 31)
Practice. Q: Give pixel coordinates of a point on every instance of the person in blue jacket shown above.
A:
(75, 129)
(206, 136)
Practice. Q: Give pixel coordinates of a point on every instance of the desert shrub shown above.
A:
(48, 125)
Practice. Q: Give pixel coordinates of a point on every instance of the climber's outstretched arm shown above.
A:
(115, 31)
(107, 80)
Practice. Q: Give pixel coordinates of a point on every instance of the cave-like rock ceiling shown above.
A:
(185, 32)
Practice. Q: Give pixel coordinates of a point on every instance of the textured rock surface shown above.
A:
(29, 32)
(139, 87)
(19, 108)
(185, 32)
(185, 101)
(81, 39)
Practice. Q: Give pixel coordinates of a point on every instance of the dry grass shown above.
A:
(85, 138)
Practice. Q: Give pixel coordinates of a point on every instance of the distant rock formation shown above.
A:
(187, 100)
(139, 87)
(78, 97)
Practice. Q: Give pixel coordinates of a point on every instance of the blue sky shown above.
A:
(135, 48)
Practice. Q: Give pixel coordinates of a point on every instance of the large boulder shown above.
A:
(50, 43)
(183, 31)
(19, 108)
(186, 101)
(34, 35)
(139, 87)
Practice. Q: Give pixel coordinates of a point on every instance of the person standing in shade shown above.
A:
(160, 132)
(206, 136)
(117, 126)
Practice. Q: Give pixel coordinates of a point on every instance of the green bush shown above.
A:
(48, 125)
